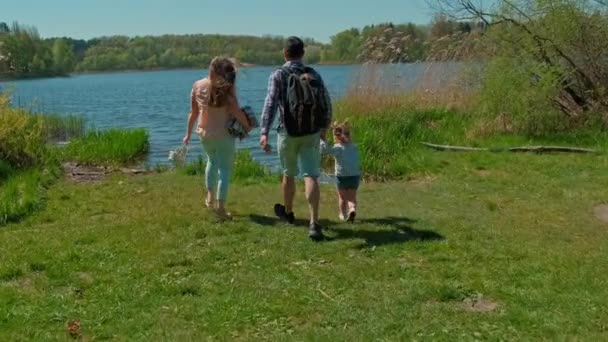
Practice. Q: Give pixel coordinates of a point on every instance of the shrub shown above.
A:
(22, 139)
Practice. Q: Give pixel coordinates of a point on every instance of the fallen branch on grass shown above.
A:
(535, 149)
(542, 149)
(453, 148)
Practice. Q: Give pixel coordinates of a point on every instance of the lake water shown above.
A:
(159, 100)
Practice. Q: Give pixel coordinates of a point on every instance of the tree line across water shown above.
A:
(24, 53)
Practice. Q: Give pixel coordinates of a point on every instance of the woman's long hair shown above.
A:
(222, 75)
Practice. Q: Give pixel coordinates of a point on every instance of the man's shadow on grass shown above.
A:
(271, 221)
(400, 230)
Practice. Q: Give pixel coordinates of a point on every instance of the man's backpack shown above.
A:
(305, 107)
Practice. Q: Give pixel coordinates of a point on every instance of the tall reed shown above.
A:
(111, 147)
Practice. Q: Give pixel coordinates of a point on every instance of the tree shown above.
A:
(346, 44)
(4, 29)
(63, 57)
(561, 40)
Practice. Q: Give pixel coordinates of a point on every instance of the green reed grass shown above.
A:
(248, 171)
(110, 147)
(389, 136)
(389, 140)
(63, 127)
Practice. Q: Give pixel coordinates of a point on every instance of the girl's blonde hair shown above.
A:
(341, 128)
(222, 75)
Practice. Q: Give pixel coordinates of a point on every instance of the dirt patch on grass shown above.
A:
(84, 279)
(85, 174)
(74, 329)
(421, 179)
(80, 173)
(26, 284)
(479, 304)
(601, 213)
(484, 173)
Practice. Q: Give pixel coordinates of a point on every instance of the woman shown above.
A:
(213, 103)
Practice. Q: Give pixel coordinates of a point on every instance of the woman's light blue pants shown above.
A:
(220, 157)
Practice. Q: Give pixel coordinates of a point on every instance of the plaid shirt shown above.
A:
(274, 98)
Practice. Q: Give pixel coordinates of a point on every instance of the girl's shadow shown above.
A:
(401, 231)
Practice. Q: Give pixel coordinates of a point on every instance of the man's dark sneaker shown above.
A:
(315, 232)
(351, 217)
(281, 213)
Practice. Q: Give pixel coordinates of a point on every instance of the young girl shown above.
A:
(348, 174)
(214, 104)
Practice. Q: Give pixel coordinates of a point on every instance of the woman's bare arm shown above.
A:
(192, 117)
(235, 109)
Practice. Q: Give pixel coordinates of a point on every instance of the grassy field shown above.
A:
(485, 247)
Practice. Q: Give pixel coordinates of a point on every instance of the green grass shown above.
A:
(23, 193)
(245, 169)
(110, 147)
(140, 259)
(5, 171)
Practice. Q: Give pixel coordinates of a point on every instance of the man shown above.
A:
(298, 92)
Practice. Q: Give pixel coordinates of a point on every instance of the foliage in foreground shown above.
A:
(110, 147)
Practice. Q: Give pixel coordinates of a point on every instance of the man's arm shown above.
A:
(271, 104)
(270, 110)
(329, 113)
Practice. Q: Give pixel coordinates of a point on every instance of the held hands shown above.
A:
(323, 134)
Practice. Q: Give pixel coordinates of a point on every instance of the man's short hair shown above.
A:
(294, 47)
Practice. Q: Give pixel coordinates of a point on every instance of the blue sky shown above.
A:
(318, 19)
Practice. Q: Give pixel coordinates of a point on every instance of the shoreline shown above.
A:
(98, 72)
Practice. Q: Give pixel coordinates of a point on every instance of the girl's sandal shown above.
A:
(222, 215)
(209, 204)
